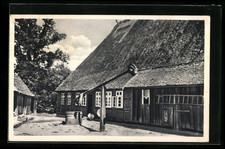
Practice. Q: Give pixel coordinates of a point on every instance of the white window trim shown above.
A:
(62, 99)
(97, 99)
(69, 103)
(110, 97)
(112, 101)
(84, 100)
(142, 96)
(117, 99)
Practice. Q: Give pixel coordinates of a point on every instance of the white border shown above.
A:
(205, 137)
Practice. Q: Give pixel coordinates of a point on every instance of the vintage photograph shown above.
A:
(109, 78)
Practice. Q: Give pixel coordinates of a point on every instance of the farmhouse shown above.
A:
(152, 72)
(24, 102)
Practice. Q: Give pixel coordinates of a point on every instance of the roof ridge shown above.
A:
(172, 66)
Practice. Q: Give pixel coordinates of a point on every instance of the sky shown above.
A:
(83, 36)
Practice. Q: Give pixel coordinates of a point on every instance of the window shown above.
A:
(165, 115)
(62, 98)
(179, 99)
(146, 96)
(77, 95)
(113, 101)
(68, 98)
(98, 99)
(119, 97)
(84, 100)
(108, 99)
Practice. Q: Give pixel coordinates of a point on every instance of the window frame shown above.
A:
(84, 100)
(97, 99)
(112, 100)
(62, 100)
(148, 95)
(77, 94)
(108, 99)
(120, 95)
(68, 103)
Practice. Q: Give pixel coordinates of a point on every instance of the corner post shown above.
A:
(103, 109)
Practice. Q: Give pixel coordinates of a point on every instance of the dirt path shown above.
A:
(46, 124)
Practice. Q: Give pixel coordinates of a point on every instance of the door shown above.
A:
(137, 111)
(181, 112)
(20, 104)
(34, 106)
(28, 105)
(167, 116)
(89, 103)
(127, 105)
(164, 111)
(146, 106)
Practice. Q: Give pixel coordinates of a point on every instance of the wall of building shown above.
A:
(23, 104)
(178, 111)
(69, 107)
(177, 107)
(184, 111)
(112, 113)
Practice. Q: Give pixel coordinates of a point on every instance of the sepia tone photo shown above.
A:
(109, 78)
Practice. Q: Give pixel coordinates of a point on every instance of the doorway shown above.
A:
(141, 106)
(89, 103)
(137, 112)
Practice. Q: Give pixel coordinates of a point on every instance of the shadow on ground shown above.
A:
(22, 122)
(90, 129)
(43, 121)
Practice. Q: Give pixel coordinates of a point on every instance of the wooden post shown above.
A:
(102, 110)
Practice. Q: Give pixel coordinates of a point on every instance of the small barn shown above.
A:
(152, 72)
(24, 102)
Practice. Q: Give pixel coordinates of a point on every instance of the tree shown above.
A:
(31, 39)
(56, 74)
(34, 62)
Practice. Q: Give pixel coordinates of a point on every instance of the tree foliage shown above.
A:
(47, 95)
(34, 62)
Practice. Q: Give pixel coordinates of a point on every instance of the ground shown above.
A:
(49, 124)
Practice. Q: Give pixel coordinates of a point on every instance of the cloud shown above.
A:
(77, 47)
(80, 41)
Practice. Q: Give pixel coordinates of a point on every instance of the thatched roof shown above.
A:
(20, 87)
(119, 82)
(146, 43)
(178, 75)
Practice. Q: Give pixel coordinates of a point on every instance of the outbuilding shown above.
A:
(24, 102)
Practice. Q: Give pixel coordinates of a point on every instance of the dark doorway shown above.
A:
(15, 101)
(89, 103)
(137, 113)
